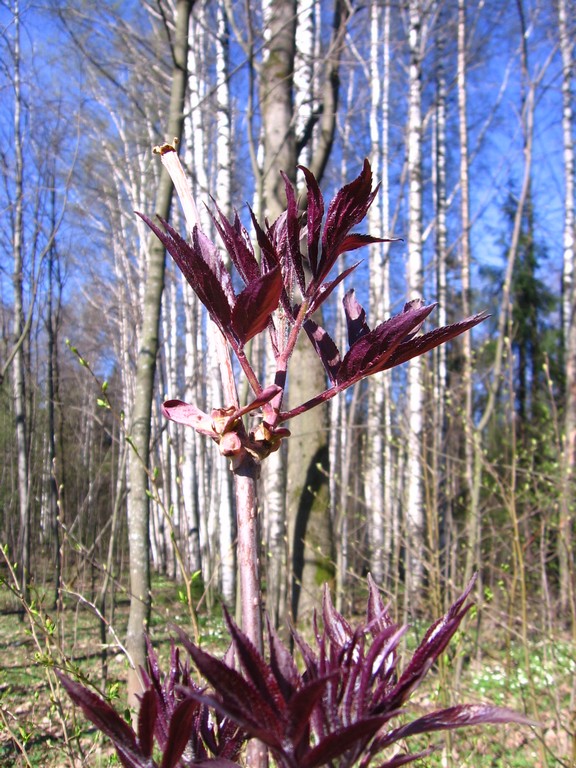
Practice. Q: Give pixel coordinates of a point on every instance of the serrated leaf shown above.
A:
(354, 241)
(255, 304)
(347, 209)
(179, 732)
(244, 718)
(428, 341)
(355, 317)
(202, 267)
(319, 295)
(325, 348)
(293, 233)
(404, 759)
(147, 715)
(341, 741)
(301, 706)
(433, 644)
(314, 216)
(377, 346)
(377, 615)
(335, 625)
(460, 716)
(282, 663)
(237, 243)
(258, 672)
(239, 697)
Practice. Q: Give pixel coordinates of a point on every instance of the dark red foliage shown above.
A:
(186, 732)
(342, 708)
(286, 287)
(339, 710)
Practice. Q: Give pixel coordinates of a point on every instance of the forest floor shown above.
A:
(39, 728)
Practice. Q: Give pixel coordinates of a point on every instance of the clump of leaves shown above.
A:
(346, 707)
(281, 293)
(185, 730)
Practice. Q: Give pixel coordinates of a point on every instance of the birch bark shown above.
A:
(470, 435)
(414, 519)
(567, 584)
(19, 325)
(437, 508)
(379, 457)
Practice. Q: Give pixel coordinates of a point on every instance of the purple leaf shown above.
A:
(271, 258)
(240, 699)
(454, 717)
(346, 210)
(147, 715)
(421, 344)
(255, 304)
(108, 721)
(180, 732)
(183, 413)
(314, 216)
(367, 354)
(335, 625)
(340, 741)
(404, 759)
(377, 616)
(325, 348)
(258, 672)
(301, 706)
(247, 718)
(434, 642)
(355, 318)
(237, 243)
(293, 233)
(320, 295)
(201, 265)
(282, 663)
(354, 241)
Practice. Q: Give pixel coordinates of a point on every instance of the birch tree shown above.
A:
(19, 329)
(379, 453)
(566, 527)
(470, 434)
(414, 516)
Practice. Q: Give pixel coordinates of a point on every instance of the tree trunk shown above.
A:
(414, 520)
(438, 504)
(379, 455)
(471, 437)
(19, 335)
(567, 586)
(138, 502)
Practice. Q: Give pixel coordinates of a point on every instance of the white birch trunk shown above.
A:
(19, 337)
(470, 437)
(226, 521)
(566, 532)
(414, 518)
(304, 80)
(437, 510)
(379, 459)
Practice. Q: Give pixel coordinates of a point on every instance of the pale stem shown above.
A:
(245, 475)
(245, 478)
(171, 162)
